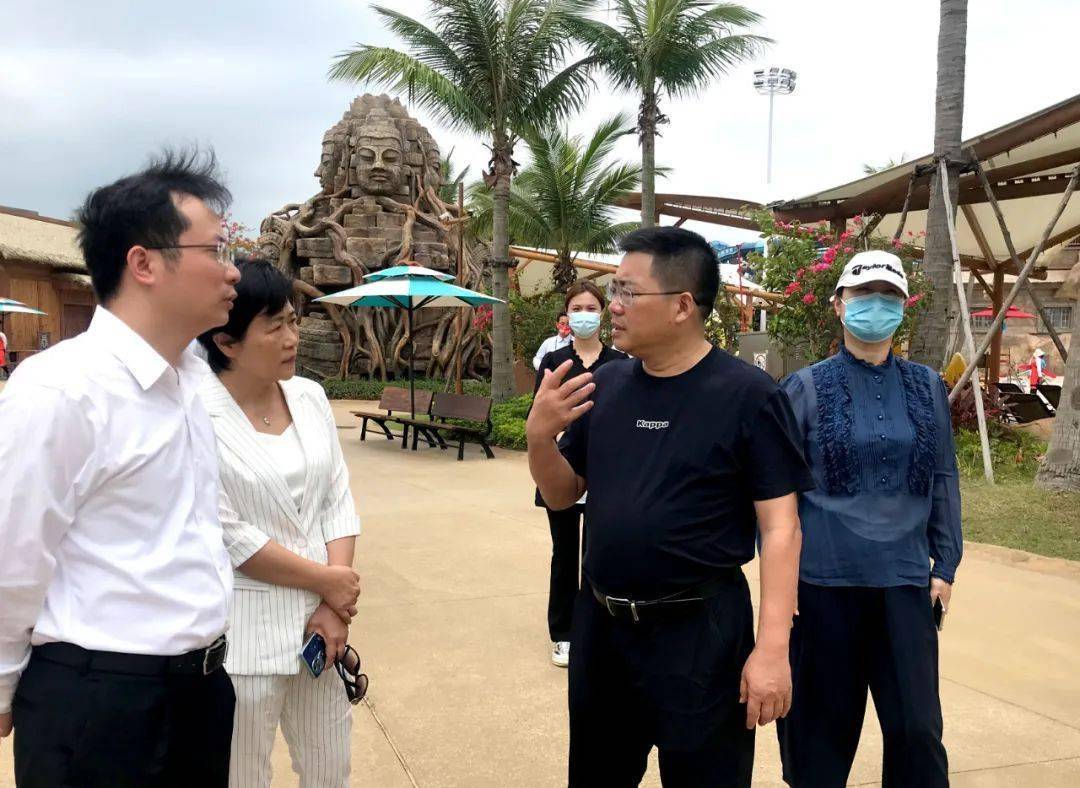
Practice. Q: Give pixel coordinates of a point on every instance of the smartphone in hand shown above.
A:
(313, 654)
(939, 614)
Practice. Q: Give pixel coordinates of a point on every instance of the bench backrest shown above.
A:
(461, 406)
(1052, 394)
(397, 399)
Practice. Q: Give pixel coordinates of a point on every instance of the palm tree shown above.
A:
(928, 345)
(451, 179)
(873, 169)
(1061, 468)
(668, 47)
(493, 67)
(564, 199)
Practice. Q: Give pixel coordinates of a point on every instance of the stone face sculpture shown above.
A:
(379, 172)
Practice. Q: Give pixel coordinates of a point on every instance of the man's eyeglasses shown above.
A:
(348, 667)
(616, 291)
(222, 250)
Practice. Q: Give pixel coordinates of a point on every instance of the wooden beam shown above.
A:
(980, 236)
(986, 288)
(1027, 129)
(1039, 164)
(1007, 236)
(1014, 291)
(994, 372)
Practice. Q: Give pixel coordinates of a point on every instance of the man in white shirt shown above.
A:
(114, 575)
(560, 340)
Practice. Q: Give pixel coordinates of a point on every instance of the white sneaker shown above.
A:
(560, 655)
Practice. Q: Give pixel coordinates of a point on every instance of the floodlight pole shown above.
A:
(768, 158)
(770, 81)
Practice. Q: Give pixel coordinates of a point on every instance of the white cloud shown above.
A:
(91, 89)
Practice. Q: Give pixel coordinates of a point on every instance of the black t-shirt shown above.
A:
(673, 467)
(555, 358)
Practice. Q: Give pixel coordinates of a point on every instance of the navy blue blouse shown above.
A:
(879, 443)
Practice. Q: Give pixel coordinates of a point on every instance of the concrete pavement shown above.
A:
(452, 631)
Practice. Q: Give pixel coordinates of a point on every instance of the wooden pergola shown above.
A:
(1014, 179)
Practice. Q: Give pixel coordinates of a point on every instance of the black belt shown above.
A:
(681, 603)
(203, 661)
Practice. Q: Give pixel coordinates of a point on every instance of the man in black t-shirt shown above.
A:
(687, 455)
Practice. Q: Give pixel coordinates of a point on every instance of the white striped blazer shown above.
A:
(267, 621)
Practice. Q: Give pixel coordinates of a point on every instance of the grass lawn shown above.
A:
(1016, 513)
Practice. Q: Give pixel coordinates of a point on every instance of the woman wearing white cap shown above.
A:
(881, 545)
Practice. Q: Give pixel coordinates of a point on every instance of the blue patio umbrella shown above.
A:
(10, 305)
(409, 287)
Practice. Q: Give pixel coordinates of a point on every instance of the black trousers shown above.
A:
(565, 564)
(671, 684)
(91, 729)
(848, 640)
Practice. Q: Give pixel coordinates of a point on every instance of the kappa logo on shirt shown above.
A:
(644, 424)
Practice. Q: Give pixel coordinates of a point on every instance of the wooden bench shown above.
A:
(461, 407)
(394, 401)
(1052, 394)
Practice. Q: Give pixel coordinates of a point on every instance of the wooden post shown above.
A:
(1025, 272)
(907, 204)
(994, 372)
(965, 322)
(461, 318)
(1016, 259)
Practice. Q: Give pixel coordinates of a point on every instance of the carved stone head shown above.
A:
(378, 159)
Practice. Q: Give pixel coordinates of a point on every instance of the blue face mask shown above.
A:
(584, 324)
(873, 318)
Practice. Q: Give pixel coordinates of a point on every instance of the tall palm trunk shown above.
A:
(502, 358)
(928, 346)
(647, 122)
(1061, 469)
(564, 273)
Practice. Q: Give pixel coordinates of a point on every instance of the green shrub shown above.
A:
(1014, 454)
(508, 422)
(533, 321)
(363, 388)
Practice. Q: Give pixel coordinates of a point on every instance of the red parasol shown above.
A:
(1013, 312)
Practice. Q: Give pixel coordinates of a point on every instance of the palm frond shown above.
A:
(426, 87)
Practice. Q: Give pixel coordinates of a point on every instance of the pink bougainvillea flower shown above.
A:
(809, 298)
(858, 220)
(914, 299)
(896, 244)
(848, 250)
(829, 255)
(800, 273)
(821, 267)
(792, 288)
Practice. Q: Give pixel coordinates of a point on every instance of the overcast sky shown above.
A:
(89, 90)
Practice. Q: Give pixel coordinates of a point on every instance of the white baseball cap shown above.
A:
(874, 266)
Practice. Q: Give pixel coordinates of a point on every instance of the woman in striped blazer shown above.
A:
(290, 526)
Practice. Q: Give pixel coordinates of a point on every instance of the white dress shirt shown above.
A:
(550, 344)
(109, 529)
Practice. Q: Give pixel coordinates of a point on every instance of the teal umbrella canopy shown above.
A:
(409, 287)
(10, 305)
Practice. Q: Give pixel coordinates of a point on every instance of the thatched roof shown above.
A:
(27, 237)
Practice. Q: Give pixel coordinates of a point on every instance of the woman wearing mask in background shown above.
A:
(290, 527)
(881, 545)
(585, 305)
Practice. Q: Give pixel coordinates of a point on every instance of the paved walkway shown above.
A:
(452, 631)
